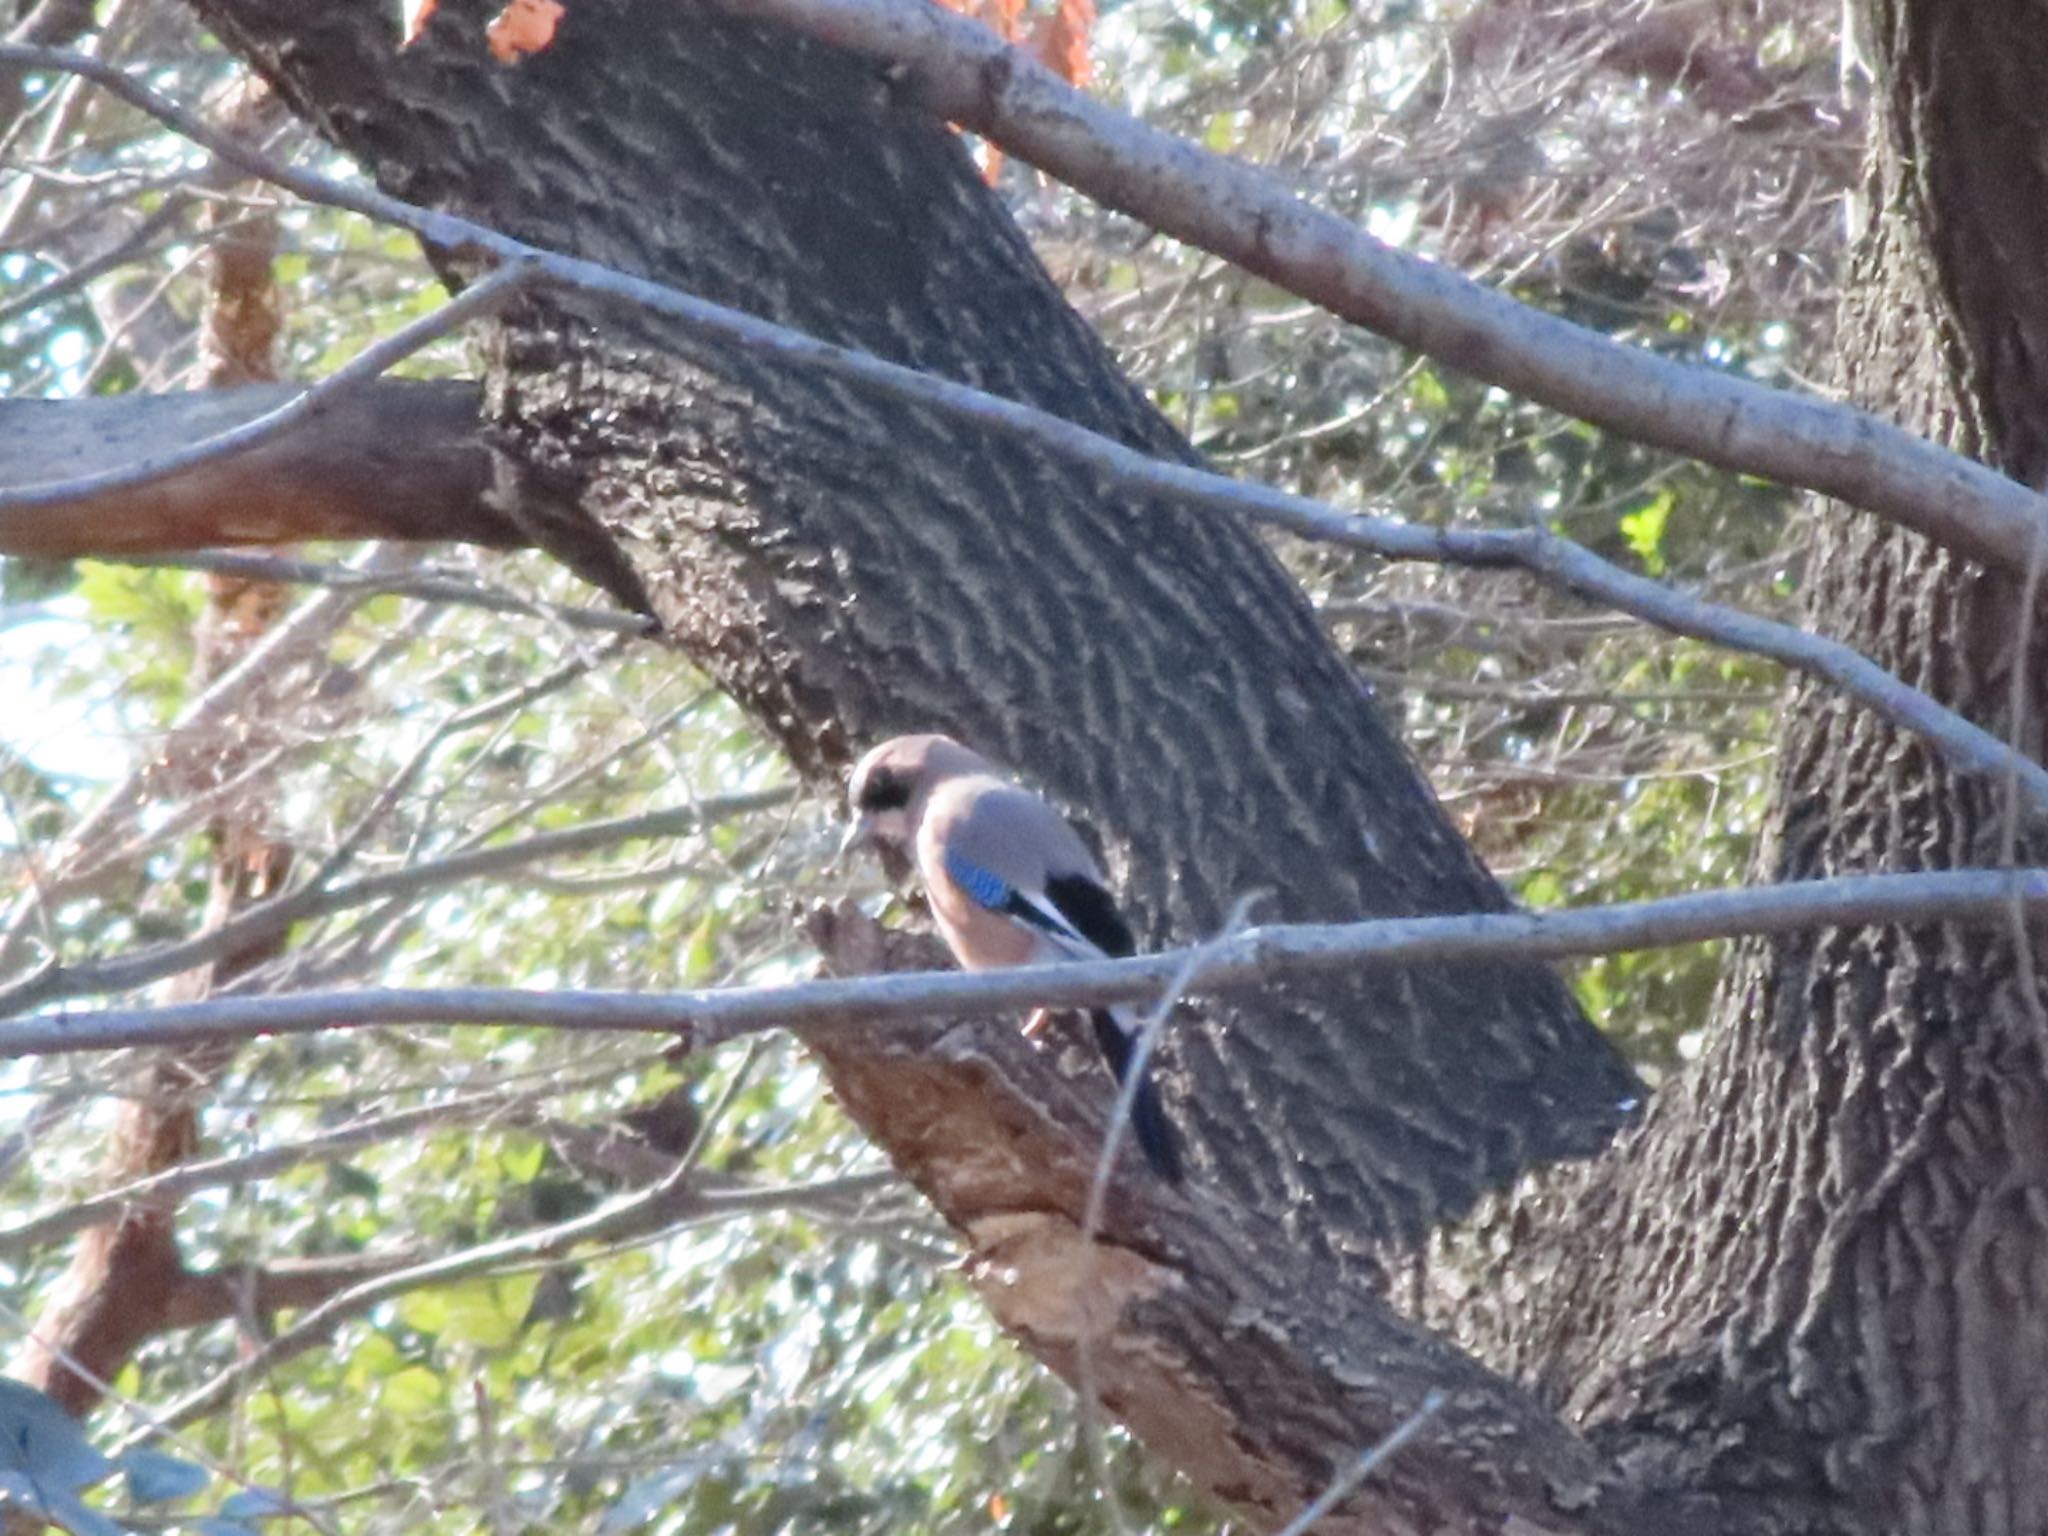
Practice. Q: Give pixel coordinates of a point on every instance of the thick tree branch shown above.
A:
(327, 480)
(304, 407)
(204, 1296)
(1259, 955)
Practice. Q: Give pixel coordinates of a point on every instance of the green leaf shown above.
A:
(700, 955)
(484, 1313)
(521, 1157)
(414, 1392)
(1644, 530)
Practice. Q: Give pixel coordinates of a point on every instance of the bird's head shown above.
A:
(889, 790)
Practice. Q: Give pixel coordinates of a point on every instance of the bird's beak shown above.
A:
(860, 832)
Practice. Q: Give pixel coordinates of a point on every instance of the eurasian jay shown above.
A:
(1008, 880)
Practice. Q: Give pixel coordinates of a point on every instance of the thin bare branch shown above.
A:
(424, 586)
(1364, 1467)
(175, 1183)
(713, 1016)
(119, 973)
(1137, 1069)
(113, 256)
(193, 738)
(671, 1202)
(52, 22)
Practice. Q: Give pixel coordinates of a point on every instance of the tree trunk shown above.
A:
(850, 568)
(1816, 1283)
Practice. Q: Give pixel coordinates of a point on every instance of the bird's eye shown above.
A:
(883, 792)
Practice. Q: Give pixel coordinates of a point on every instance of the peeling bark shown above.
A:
(1237, 1364)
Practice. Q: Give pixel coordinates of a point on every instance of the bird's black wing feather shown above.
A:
(1093, 913)
(1150, 1128)
(1090, 911)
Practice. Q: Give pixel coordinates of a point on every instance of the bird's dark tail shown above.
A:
(1150, 1128)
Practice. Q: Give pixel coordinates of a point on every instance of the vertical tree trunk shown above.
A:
(1819, 1275)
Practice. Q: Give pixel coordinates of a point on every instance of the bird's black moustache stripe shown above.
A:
(883, 792)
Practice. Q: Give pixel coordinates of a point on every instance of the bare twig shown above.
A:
(122, 250)
(119, 973)
(175, 1183)
(228, 697)
(1364, 1467)
(1194, 962)
(645, 1213)
(500, 707)
(711, 1017)
(424, 586)
(1535, 696)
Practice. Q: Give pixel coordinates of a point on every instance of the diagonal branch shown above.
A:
(319, 898)
(671, 1202)
(175, 1183)
(423, 586)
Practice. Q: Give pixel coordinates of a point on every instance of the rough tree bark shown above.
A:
(1816, 1282)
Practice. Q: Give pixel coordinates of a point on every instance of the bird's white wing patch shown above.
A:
(1058, 931)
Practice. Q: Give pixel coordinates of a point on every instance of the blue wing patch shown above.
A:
(982, 888)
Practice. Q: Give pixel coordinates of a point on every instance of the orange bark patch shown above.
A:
(523, 27)
(413, 19)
